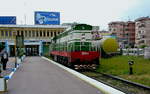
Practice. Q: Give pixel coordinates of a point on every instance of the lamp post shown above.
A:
(14, 37)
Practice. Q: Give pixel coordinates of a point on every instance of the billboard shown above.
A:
(8, 20)
(47, 18)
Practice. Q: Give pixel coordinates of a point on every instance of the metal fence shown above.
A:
(133, 51)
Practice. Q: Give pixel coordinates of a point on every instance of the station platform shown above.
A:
(39, 76)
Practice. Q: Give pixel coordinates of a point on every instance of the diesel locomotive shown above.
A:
(76, 48)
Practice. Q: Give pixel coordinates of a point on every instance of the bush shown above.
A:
(143, 46)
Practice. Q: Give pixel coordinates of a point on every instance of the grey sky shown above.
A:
(94, 12)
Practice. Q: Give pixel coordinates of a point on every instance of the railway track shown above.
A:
(121, 84)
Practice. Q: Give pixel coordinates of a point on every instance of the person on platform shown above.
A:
(4, 60)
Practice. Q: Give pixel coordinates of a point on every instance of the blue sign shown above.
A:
(8, 20)
(47, 18)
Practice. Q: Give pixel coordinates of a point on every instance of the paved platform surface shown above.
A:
(10, 65)
(39, 76)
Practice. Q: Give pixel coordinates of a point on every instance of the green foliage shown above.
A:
(119, 66)
(143, 46)
(20, 52)
(2, 46)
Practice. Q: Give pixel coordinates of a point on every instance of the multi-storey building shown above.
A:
(142, 31)
(124, 31)
(36, 37)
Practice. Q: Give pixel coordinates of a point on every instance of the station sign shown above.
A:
(47, 18)
(8, 20)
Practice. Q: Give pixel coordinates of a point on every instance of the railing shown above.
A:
(133, 51)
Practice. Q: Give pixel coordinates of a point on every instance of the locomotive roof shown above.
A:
(72, 28)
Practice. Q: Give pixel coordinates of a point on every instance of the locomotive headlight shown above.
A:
(85, 53)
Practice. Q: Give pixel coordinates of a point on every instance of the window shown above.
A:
(40, 33)
(33, 33)
(109, 29)
(54, 33)
(126, 29)
(29, 33)
(17, 32)
(139, 32)
(22, 33)
(142, 41)
(6, 33)
(43, 33)
(10, 33)
(47, 33)
(83, 34)
(51, 33)
(2, 33)
(37, 33)
(26, 34)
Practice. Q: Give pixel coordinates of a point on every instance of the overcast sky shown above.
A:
(94, 12)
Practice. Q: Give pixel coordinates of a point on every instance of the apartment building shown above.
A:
(124, 32)
(142, 31)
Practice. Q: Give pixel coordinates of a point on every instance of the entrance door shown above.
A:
(32, 50)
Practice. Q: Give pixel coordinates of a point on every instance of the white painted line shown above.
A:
(7, 77)
(102, 87)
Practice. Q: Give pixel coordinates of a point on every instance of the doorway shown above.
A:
(32, 50)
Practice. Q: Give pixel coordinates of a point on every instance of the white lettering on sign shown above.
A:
(85, 53)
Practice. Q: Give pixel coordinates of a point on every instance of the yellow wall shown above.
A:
(29, 33)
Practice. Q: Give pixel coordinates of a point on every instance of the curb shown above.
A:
(7, 77)
(102, 87)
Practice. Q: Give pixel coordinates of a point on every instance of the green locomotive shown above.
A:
(76, 48)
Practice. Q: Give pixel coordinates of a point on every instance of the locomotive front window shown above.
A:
(82, 46)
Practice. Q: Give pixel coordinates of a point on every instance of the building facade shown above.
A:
(124, 32)
(36, 37)
(142, 31)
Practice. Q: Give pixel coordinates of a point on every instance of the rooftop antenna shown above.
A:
(25, 13)
(25, 18)
(129, 18)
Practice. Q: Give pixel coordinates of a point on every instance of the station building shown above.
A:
(36, 37)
